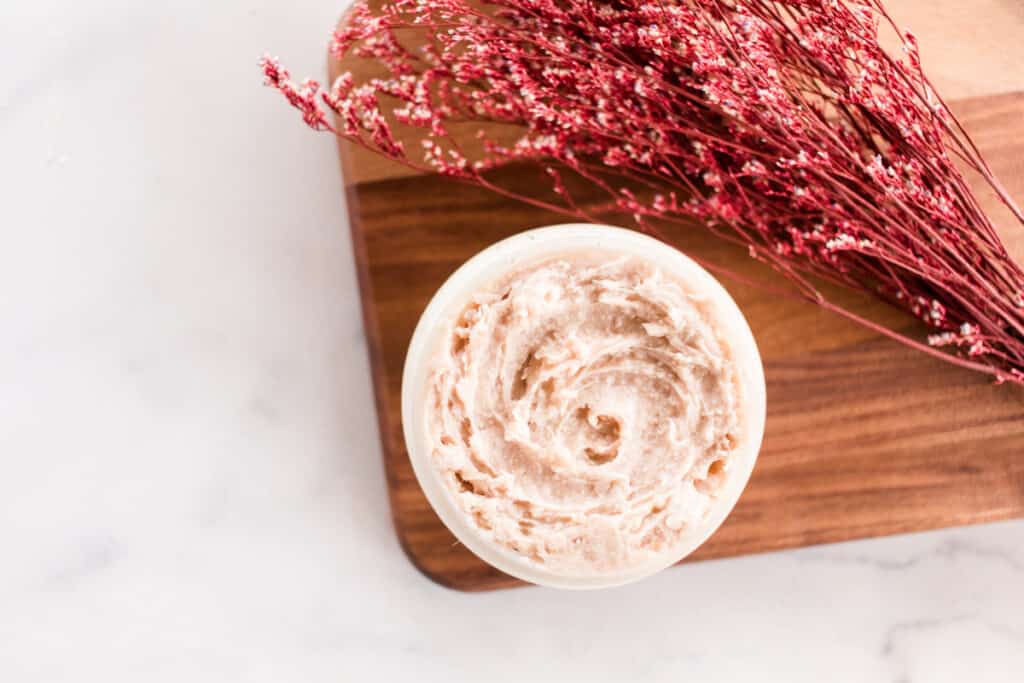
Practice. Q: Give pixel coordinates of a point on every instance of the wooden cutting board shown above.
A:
(864, 437)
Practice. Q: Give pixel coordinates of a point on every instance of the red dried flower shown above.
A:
(780, 124)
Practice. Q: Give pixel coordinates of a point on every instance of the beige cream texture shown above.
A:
(582, 413)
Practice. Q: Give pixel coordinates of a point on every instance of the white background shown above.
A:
(190, 478)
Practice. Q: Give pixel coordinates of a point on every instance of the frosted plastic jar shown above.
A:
(519, 252)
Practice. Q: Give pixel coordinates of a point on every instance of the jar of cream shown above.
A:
(582, 405)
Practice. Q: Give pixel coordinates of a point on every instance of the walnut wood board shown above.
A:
(864, 437)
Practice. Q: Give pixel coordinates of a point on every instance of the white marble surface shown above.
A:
(190, 483)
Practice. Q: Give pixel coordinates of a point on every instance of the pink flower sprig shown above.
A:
(782, 125)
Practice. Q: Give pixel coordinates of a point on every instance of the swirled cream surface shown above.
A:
(582, 412)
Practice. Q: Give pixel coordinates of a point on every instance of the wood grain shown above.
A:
(864, 437)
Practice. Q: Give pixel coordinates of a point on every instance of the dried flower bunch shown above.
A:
(782, 125)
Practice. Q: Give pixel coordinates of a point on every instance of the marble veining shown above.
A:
(948, 549)
(190, 479)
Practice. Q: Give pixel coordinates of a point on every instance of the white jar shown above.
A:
(530, 247)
